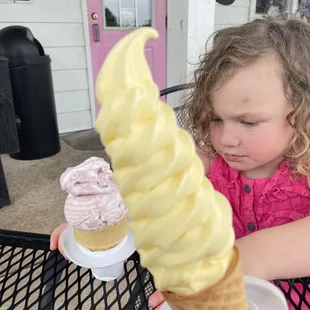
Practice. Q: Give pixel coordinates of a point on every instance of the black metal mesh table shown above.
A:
(32, 277)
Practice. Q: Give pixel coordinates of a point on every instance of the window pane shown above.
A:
(304, 8)
(128, 13)
(263, 6)
(128, 3)
(111, 13)
(144, 13)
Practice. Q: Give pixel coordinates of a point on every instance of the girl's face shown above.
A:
(250, 128)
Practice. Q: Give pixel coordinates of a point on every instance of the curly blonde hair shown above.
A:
(240, 46)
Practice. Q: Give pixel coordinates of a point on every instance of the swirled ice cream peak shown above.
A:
(182, 226)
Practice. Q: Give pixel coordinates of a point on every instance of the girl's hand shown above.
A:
(55, 241)
(156, 300)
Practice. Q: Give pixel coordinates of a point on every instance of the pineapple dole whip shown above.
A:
(181, 225)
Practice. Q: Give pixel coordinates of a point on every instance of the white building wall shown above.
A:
(201, 21)
(190, 23)
(236, 14)
(58, 25)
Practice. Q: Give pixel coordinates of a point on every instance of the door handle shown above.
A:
(96, 33)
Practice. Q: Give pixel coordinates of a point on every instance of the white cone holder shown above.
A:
(105, 265)
(261, 295)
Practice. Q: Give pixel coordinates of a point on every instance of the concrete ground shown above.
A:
(37, 206)
(37, 200)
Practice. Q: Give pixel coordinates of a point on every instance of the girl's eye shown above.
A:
(216, 120)
(250, 124)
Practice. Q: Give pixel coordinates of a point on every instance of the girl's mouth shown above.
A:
(233, 157)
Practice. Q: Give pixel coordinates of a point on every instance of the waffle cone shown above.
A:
(227, 294)
(104, 238)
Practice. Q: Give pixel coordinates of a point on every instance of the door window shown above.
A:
(127, 13)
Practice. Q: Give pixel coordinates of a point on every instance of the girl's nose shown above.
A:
(229, 137)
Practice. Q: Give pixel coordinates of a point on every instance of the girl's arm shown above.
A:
(280, 252)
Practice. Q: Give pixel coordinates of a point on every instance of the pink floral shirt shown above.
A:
(263, 203)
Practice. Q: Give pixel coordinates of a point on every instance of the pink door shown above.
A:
(110, 20)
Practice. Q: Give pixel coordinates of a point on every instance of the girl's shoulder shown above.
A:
(205, 160)
(215, 165)
(285, 176)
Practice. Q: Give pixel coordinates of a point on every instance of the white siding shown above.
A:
(67, 58)
(177, 41)
(201, 22)
(235, 14)
(70, 80)
(58, 25)
(190, 23)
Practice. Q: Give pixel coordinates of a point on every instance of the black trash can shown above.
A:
(33, 94)
(34, 101)
(8, 132)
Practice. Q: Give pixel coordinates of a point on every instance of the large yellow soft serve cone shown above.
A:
(182, 226)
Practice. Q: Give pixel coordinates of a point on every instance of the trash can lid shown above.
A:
(225, 2)
(19, 42)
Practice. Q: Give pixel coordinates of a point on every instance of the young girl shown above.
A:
(249, 114)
